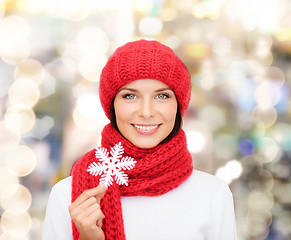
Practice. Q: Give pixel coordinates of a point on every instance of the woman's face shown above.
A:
(145, 112)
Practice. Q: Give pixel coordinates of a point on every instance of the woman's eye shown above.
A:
(129, 96)
(162, 96)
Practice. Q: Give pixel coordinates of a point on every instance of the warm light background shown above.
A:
(238, 124)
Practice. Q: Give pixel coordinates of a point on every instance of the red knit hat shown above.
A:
(144, 59)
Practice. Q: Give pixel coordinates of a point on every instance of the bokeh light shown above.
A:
(75, 10)
(32, 69)
(222, 46)
(150, 26)
(198, 50)
(21, 160)
(269, 150)
(267, 95)
(120, 26)
(210, 9)
(260, 201)
(282, 192)
(64, 68)
(261, 179)
(213, 116)
(2, 9)
(281, 134)
(16, 53)
(24, 93)
(7, 237)
(88, 114)
(231, 171)
(143, 5)
(7, 177)
(284, 34)
(91, 66)
(195, 141)
(225, 146)
(19, 121)
(257, 224)
(17, 199)
(30, 6)
(237, 124)
(266, 117)
(275, 75)
(14, 46)
(15, 225)
(8, 139)
(168, 14)
(48, 86)
(87, 39)
(92, 58)
(246, 147)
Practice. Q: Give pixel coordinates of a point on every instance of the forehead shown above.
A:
(146, 83)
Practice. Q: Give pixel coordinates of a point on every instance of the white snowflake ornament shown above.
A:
(108, 167)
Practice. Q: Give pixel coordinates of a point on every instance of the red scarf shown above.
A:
(157, 171)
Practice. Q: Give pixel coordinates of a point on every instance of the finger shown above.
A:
(95, 214)
(101, 191)
(93, 192)
(100, 221)
(93, 218)
(86, 217)
(79, 209)
(89, 211)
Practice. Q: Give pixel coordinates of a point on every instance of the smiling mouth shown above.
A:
(146, 127)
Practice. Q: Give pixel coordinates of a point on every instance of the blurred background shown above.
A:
(238, 53)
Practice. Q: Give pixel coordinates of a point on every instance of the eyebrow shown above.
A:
(128, 89)
(135, 90)
(163, 89)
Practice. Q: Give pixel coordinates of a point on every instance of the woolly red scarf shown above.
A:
(157, 171)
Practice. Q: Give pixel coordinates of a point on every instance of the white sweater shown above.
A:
(201, 208)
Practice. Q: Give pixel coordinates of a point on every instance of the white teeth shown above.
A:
(146, 128)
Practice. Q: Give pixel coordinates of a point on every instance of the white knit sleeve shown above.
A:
(223, 221)
(57, 223)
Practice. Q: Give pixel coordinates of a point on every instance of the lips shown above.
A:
(146, 129)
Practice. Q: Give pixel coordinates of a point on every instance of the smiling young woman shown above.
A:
(140, 183)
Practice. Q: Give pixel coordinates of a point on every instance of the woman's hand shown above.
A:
(86, 213)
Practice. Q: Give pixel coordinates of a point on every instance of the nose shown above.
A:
(146, 108)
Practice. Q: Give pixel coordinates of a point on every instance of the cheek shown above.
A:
(122, 112)
(169, 112)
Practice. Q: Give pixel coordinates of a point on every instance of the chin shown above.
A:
(146, 145)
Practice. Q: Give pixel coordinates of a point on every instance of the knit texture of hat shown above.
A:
(144, 59)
